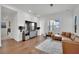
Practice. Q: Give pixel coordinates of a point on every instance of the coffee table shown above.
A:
(57, 37)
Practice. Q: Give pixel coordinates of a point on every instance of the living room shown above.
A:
(37, 25)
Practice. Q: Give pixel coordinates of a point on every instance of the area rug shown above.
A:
(50, 46)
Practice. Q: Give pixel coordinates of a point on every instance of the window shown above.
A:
(54, 26)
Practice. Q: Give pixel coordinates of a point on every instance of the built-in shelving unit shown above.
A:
(30, 29)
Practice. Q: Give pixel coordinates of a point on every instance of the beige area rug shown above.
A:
(50, 46)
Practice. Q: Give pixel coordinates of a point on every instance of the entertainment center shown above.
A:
(30, 29)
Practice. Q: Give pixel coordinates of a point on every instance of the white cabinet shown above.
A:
(33, 34)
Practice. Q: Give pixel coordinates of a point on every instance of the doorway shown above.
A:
(8, 23)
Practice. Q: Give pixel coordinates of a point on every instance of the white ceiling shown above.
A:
(5, 12)
(43, 9)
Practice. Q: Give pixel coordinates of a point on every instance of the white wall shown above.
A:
(66, 16)
(22, 16)
(0, 26)
(20, 19)
(14, 26)
(66, 20)
(8, 15)
(76, 13)
(44, 25)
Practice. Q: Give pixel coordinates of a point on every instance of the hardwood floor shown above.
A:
(10, 46)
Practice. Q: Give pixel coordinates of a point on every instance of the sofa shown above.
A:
(70, 36)
(70, 47)
(70, 43)
(66, 34)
